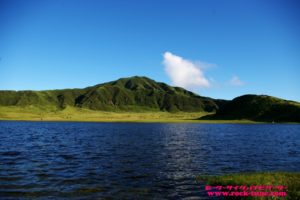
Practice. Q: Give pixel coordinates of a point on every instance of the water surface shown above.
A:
(58, 160)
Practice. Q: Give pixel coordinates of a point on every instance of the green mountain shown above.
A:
(126, 94)
(138, 94)
(259, 108)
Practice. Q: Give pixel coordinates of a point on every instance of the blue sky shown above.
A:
(237, 47)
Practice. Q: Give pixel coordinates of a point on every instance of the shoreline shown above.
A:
(289, 182)
(188, 121)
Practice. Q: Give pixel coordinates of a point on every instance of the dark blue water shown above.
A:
(50, 160)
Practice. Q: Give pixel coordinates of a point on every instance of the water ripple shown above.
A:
(50, 160)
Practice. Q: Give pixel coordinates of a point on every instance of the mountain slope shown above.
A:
(138, 94)
(259, 108)
(128, 94)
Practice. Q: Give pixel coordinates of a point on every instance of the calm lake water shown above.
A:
(58, 160)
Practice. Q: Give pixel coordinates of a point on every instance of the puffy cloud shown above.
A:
(235, 81)
(185, 73)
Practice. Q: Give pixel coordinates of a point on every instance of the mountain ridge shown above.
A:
(139, 93)
(123, 94)
(259, 108)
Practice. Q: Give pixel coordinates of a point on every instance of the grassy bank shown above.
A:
(287, 179)
(32, 113)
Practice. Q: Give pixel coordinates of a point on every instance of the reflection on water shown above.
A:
(135, 160)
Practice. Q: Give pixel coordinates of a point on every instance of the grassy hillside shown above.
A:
(126, 94)
(81, 114)
(32, 113)
(138, 95)
(259, 108)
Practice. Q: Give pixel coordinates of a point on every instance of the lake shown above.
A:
(58, 160)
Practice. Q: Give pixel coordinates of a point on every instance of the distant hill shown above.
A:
(259, 108)
(138, 94)
(126, 94)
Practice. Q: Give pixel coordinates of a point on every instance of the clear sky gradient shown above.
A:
(248, 46)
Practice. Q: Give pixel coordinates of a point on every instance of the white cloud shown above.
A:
(185, 73)
(235, 81)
